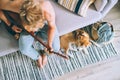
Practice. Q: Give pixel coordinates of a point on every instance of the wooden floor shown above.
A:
(105, 70)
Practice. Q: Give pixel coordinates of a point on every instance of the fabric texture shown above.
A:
(100, 4)
(16, 66)
(77, 6)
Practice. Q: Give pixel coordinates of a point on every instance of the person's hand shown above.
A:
(17, 36)
(17, 29)
(49, 50)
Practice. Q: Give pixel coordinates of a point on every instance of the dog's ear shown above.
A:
(79, 33)
(74, 34)
(81, 29)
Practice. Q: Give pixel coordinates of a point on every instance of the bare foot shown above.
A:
(44, 60)
(39, 62)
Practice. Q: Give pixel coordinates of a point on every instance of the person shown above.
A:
(35, 15)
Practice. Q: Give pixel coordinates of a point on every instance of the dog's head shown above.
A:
(82, 38)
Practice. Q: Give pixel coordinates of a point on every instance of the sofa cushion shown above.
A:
(77, 6)
(7, 42)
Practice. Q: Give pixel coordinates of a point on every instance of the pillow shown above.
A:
(100, 4)
(79, 7)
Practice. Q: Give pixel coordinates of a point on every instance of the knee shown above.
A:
(24, 44)
(30, 52)
(23, 49)
(26, 40)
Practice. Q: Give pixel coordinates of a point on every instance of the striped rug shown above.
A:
(16, 66)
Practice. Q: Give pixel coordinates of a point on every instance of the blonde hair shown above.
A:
(31, 13)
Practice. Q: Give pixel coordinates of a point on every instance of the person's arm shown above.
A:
(3, 18)
(50, 17)
(13, 29)
(51, 33)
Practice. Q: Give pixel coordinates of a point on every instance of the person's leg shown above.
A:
(25, 46)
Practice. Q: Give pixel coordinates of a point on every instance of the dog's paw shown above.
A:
(71, 47)
(73, 50)
(85, 51)
(80, 48)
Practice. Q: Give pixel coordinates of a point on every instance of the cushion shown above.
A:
(79, 7)
(100, 4)
(67, 22)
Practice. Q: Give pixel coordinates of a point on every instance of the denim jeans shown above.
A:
(26, 42)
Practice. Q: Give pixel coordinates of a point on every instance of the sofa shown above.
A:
(66, 22)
